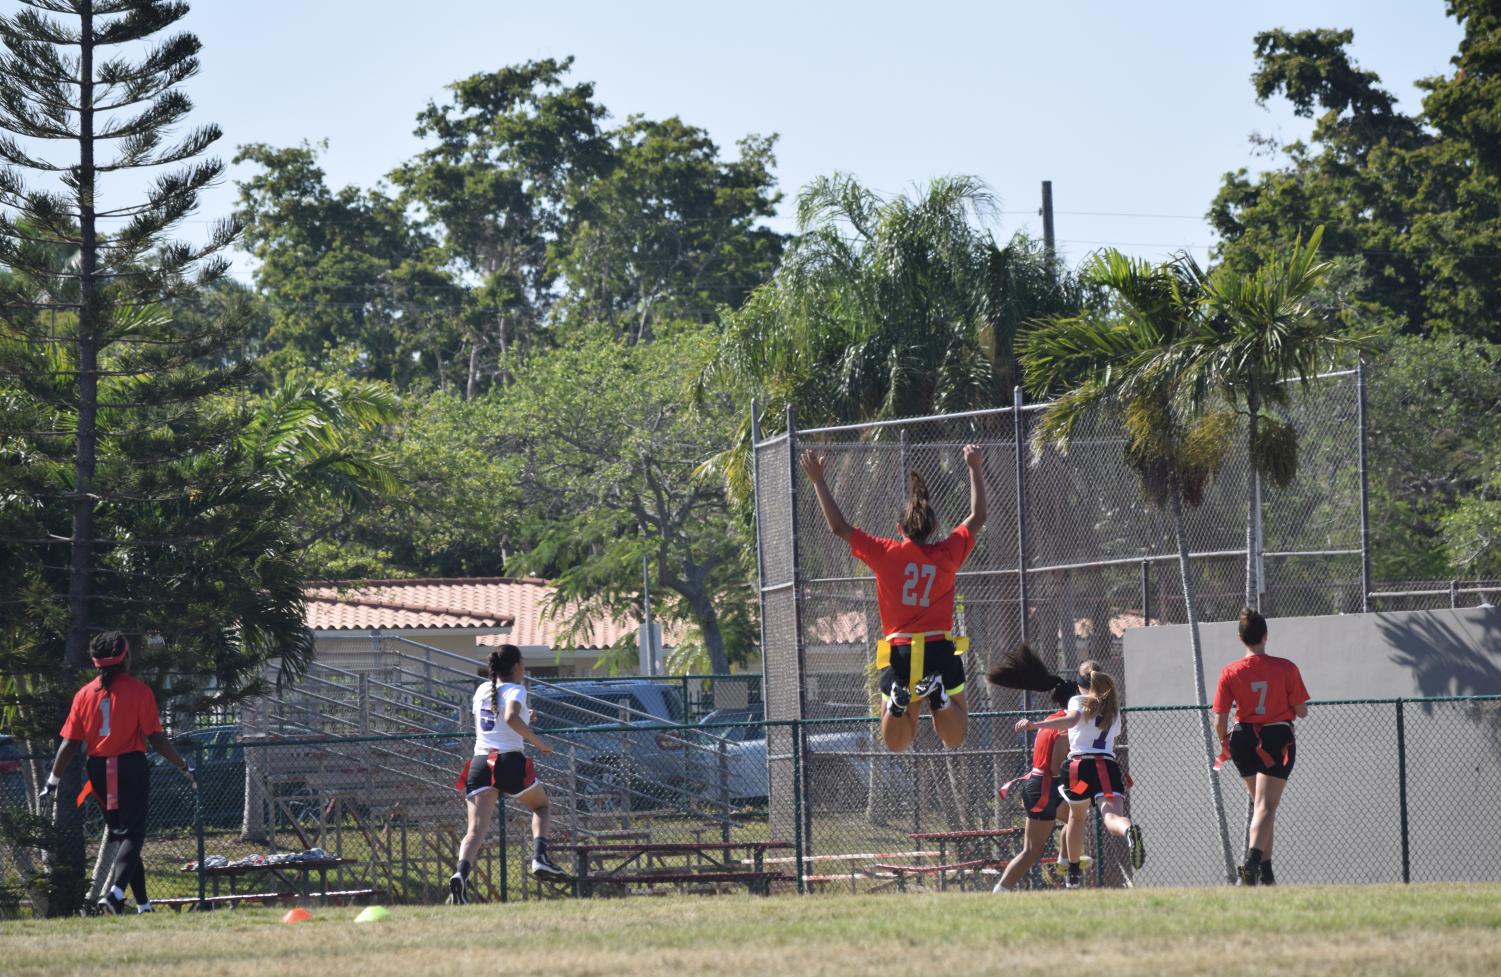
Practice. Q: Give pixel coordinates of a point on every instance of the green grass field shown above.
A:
(1422, 929)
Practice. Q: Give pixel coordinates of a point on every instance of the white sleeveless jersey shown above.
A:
(1085, 737)
(490, 729)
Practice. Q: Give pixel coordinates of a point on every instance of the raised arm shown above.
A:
(813, 468)
(1067, 721)
(977, 509)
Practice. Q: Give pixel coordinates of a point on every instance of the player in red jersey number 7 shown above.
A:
(1268, 694)
(919, 655)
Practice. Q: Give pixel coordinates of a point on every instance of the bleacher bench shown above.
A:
(179, 903)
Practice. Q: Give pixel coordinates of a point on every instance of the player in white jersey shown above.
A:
(499, 765)
(1091, 774)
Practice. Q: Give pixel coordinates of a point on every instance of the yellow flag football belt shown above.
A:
(915, 673)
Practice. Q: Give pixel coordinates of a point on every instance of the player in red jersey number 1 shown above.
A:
(919, 655)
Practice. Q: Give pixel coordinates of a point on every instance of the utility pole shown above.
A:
(648, 639)
(1047, 221)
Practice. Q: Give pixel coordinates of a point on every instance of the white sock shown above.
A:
(144, 907)
(117, 892)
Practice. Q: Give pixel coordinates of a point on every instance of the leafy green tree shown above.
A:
(1119, 362)
(606, 445)
(1414, 197)
(492, 188)
(347, 280)
(668, 230)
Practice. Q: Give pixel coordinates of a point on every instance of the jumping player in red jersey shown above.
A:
(1268, 694)
(1022, 669)
(915, 593)
(1091, 774)
(499, 765)
(112, 719)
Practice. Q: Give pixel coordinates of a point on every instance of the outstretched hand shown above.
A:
(972, 456)
(1022, 725)
(812, 464)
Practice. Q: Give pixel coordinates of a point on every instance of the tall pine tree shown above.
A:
(139, 488)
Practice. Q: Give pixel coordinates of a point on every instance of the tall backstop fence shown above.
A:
(1384, 790)
(1072, 553)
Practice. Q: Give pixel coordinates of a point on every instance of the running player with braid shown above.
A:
(915, 592)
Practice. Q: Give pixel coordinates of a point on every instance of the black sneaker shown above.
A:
(1266, 874)
(1138, 848)
(929, 685)
(544, 868)
(1074, 879)
(110, 905)
(1246, 876)
(458, 890)
(900, 698)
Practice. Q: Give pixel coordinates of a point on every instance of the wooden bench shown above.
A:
(711, 862)
(757, 883)
(962, 870)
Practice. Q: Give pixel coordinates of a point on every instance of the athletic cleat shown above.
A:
(1138, 847)
(900, 698)
(1266, 874)
(1000, 887)
(928, 686)
(544, 867)
(110, 905)
(145, 908)
(1074, 879)
(458, 890)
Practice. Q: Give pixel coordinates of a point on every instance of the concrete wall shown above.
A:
(1340, 820)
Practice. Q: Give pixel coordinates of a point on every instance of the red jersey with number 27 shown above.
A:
(115, 720)
(1264, 689)
(914, 581)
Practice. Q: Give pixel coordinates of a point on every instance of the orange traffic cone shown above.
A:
(296, 915)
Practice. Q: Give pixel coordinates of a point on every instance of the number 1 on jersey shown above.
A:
(918, 573)
(104, 711)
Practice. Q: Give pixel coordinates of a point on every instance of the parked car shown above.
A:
(219, 767)
(12, 773)
(837, 760)
(620, 767)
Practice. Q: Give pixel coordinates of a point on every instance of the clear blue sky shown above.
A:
(1129, 108)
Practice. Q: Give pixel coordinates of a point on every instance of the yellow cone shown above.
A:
(373, 914)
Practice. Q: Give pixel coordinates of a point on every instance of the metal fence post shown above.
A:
(1099, 849)
(1146, 593)
(1402, 788)
(797, 802)
(505, 856)
(1365, 488)
(800, 806)
(1021, 528)
(198, 828)
(1453, 594)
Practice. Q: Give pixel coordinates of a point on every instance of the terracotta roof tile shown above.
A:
(522, 603)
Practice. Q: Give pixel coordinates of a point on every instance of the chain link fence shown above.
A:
(1389, 790)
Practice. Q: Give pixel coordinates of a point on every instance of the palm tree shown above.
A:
(1117, 361)
(891, 307)
(1263, 331)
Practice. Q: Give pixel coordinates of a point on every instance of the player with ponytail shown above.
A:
(1268, 694)
(1021, 669)
(1091, 774)
(113, 717)
(915, 579)
(501, 732)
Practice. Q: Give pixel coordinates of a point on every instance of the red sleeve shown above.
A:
(151, 718)
(1223, 694)
(868, 549)
(73, 726)
(961, 543)
(1296, 692)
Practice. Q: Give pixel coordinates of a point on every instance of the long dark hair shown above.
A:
(918, 521)
(1252, 627)
(107, 645)
(1020, 668)
(502, 660)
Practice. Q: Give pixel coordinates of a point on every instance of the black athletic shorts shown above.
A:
(509, 773)
(130, 786)
(1090, 775)
(1276, 756)
(938, 658)
(1040, 798)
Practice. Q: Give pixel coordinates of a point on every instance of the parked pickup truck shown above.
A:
(837, 758)
(617, 767)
